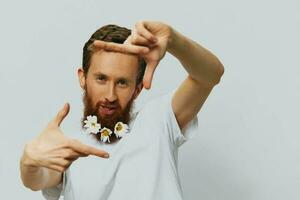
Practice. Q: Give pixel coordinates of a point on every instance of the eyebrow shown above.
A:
(97, 74)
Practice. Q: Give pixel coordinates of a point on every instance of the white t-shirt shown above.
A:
(141, 166)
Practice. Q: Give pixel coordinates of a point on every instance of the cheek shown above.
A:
(94, 93)
(124, 98)
(93, 87)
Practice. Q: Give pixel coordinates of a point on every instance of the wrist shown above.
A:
(176, 43)
(171, 40)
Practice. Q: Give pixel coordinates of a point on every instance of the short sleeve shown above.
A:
(55, 192)
(176, 135)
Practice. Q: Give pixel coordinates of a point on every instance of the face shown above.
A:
(110, 87)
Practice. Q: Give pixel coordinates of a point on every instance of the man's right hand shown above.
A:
(53, 150)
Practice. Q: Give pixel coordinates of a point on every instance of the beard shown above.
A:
(107, 121)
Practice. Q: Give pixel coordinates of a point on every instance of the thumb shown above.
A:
(61, 114)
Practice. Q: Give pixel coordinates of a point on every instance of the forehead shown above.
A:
(114, 64)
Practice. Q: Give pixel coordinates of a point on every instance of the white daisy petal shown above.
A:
(105, 133)
(94, 118)
(92, 125)
(89, 118)
(121, 129)
(104, 139)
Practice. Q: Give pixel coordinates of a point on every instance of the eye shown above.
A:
(122, 82)
(101, 78)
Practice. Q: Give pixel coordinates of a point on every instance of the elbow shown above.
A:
(213, 77)
(221, 69)
(219, 72)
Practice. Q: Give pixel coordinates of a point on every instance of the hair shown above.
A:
(109, 33)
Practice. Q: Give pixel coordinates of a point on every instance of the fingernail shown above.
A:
(106, 155)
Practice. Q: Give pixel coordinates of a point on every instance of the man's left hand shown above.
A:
(148, 39)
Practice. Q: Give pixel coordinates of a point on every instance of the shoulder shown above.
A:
(159, 103)
(156, 110)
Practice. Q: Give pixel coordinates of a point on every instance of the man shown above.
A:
(142, 164)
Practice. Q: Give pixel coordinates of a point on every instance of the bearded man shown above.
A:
(129, 154)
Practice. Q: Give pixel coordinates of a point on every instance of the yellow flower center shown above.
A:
(105, 133)
(119, 127)
(93, 124)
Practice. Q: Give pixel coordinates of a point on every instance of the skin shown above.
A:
(50, 153)
(110, 81)
(111, 78)
(46, 157)
(151, 40)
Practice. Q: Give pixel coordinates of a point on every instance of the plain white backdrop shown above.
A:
(247, 146)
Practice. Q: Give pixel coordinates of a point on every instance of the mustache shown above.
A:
(107, 104)
(93, 108)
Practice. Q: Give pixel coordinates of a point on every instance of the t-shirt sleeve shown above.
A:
(55, 192)
(176, 135)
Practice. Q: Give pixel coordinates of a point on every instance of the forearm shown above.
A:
(37, 178)
(201, 64)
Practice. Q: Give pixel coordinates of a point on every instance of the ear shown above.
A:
(138, 89)
(81, 77)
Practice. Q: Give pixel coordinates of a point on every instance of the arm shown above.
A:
(151, 40)
(204, 72)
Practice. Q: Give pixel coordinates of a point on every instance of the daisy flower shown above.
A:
(105, 133)
(92, 125)
(121, 129)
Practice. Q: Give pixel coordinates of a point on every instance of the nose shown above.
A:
(111, 95)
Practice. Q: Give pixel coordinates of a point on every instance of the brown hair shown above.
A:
(109, 33)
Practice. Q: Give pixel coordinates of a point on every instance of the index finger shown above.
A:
(87, 150)
(123, 48)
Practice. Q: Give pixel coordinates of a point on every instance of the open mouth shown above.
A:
(107, 110)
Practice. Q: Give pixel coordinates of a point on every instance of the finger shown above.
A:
(61, 162)
(134, 38)
(87, 150)
(122, 48)
(56, 168)
(73, 159)
(70, 154)
(61, 115)
(148, 76)
(140, 40)
(141, 30)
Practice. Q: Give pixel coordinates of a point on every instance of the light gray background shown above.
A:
(248, 142)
